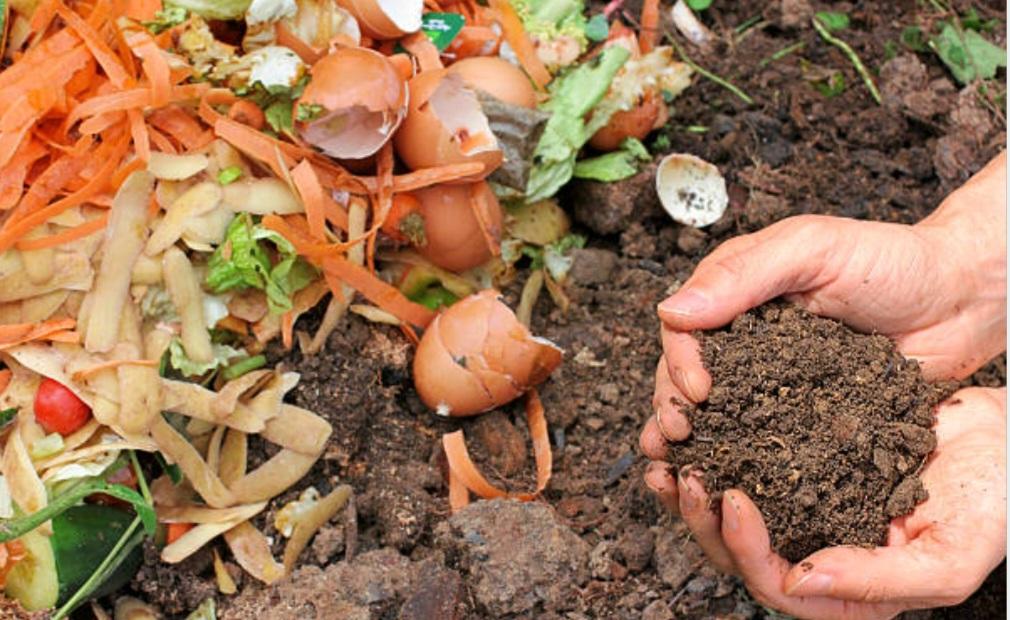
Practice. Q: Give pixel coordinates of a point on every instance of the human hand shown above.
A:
(936, 556)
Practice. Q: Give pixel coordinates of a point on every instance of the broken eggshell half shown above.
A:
(386, 19)
(498, 78)
(691, 190)
(462, 225)
(445, 125)
(476, 356)
(353, 104)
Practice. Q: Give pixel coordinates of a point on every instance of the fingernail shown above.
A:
(651, 467)
(813, 584)
(683, 381)
(685, 303)
(688, 496)
(731, 517)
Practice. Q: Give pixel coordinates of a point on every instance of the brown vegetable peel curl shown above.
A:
(476, 356)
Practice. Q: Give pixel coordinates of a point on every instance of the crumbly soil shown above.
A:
(824, 428)
(793, 151)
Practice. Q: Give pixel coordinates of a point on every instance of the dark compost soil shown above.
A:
(824, 428)
(598, 546)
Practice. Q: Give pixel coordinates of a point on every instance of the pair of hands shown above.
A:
(939, 290)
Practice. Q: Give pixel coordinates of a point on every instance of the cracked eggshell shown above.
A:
(445, 125)
(691, 190)
(453, 235)
(498, 78)
(386, 19)
(363, 101)
(476, 356)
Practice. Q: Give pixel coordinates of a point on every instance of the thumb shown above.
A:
(923, 572)
(744, 272)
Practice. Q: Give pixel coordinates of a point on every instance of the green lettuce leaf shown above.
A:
(573, 95)
(243, 261)
(620, 164)
(213, 9)
(181, 362)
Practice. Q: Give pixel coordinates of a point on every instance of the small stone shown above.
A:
(635, 547)
(599, 560)
(657, 610)
(438, 593)
(591, 266)
(676, 558)
(609, 393)
(594, 423)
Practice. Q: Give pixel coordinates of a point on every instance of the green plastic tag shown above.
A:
(442, 28)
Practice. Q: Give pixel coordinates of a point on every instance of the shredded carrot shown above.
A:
(20, 333)
(519, 41)
(155, 66)
(459, 495)
(71, 234)
(141, 137)
(257, 145)
(288, 330)
(307, 183)
(247, 113)
(175, 531)
(425, 177)
(104, 55)
(159, 140)
(383, 295)
(463, 468)
(179, 125)
(13, 175)
(649, 25)
(5, 379)
(90, 371)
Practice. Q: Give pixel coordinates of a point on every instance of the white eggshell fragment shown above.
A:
(691, 190)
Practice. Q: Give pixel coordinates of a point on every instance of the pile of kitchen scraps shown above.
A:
(180, 182)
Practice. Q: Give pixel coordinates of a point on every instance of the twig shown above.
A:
(782, 53)
(852, 56)
(708, 74)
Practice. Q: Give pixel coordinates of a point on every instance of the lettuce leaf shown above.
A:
(243, 261)
(573, 95)
(181, 362)
(213, 9)
(614, 166)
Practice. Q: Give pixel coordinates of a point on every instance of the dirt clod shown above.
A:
(515, 556)
(824, 428)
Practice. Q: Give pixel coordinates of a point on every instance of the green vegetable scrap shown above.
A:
(278, 103)
(967, 54)
(7, 416)
(555, 22)
(229, 175)
(614, 166)
(597, 28)
(244, 261)
(166, 18)
(699, 5)
(833, 20)
(573, 95)
(223, 354)
(243, 366)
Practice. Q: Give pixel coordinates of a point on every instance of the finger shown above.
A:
(672, 422)
(696, 511)
(651, 441)
(660, 481)
(917, 574)
(682, 354)
(746, 271)
(764, 571)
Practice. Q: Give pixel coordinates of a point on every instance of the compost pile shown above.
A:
(824, 428)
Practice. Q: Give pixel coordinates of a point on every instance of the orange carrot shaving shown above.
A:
(257, 145)
(426, 177)
(462, 467)
(649, 26)
(65, 336)
(100, 122)
(459, 495)
(423, 49)
(307, 183)
(5, 379)
(141, 137)
(20, 333)
(106, 58)
(383, 295)
(475, 41)
(13, 175)
(293, 42)
(247, 113)
(404, 204)
(288, 330)
(519, 41)
(71, 234)
(160, 140)
(155, 66)
(174, 531)
(179, 125)
(90, 371)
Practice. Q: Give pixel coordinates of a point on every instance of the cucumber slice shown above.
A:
(57, 566)
(34, 580)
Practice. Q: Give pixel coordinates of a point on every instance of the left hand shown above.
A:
(936, 556)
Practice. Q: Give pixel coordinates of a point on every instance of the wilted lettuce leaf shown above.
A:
(180, 361)
(242, 262)
(573, 95)
(619, 164)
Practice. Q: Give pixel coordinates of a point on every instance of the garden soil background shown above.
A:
(597, 545)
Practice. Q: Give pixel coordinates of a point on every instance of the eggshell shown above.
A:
(634, 123)
(498, 78)
(386, 19)
(460, 367)
(454, 237)
(445, 125)
(363, 98)
(691, 190)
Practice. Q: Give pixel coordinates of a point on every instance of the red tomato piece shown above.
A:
(58, 409)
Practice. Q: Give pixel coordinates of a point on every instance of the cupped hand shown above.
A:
(936, 556)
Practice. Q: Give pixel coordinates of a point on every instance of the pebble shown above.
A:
(635, 547)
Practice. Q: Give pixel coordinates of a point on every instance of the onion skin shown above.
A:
(454, 237)
(498, 78)
(424, 142)
(634, 123)
(476, 356)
